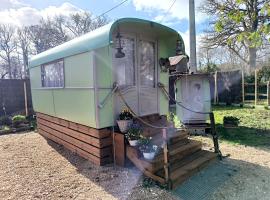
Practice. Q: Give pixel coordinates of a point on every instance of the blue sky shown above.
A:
(26, 12)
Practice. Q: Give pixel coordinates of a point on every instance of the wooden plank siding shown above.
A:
(92, 144)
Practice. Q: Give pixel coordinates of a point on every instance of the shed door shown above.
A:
(136, 75)
(195, 94)
(148, 96)
(125, 74)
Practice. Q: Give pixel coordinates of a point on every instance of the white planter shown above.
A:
(149, 156)
(124, 125)
(133, 143)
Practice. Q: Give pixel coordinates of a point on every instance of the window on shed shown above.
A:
(125, 67)
(52, 74)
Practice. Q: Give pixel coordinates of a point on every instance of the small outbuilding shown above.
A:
(72, 83)
(80, 87)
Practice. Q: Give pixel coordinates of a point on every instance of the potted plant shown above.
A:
(230, 121)
(147, 148)
(125, 120)
(134, 134)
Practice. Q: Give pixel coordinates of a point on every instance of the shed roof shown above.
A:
(95, 39)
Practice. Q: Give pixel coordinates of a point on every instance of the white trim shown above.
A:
(59, 88)
(95, 88)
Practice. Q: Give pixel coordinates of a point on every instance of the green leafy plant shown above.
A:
(146, 145)
(230, 120)
(125, 115)
(134, 132)
(5, 128)
(17, 120)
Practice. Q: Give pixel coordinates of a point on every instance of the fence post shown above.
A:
(25, 98)
(256, 87)
(243, 87)
(216, 90)
(268, 93)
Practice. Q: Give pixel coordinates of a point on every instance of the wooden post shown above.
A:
(25, 98)
(166, 157)
(214, 134)
(243, 87)
(119, 149)
(268, 93)
(256, 88)
(216, 90)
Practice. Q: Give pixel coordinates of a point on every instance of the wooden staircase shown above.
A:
(178, 159)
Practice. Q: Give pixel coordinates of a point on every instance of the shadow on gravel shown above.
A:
(122, 183)
(117, 181)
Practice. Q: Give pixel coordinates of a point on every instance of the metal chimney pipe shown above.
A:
(192, 37)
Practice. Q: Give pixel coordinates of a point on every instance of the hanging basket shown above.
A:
(124, 125)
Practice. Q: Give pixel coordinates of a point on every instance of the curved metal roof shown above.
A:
(98, 38)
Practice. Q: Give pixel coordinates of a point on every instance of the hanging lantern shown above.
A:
(179, 47)
(119, 53)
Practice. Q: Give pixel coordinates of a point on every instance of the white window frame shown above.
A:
(42, 68)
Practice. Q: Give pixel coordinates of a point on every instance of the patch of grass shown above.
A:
(254, 127)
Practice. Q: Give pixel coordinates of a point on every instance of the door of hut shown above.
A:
(136, 75)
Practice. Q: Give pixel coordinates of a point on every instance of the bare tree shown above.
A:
(45, 35)
(24, 43)
(238, 25)
(7, 46)
(81, 23)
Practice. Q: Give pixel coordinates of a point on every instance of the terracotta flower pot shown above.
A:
(124, 125)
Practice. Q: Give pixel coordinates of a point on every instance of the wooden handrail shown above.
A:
(166, 157)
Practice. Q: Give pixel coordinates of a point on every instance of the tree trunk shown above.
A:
(9, 68)
(252, 58)
(25, 63)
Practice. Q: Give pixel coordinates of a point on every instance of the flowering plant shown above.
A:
(125, 115)
(134, 132)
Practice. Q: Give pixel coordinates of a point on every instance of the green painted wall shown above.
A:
(165, 50)
(76, 102)
(104, 79)
(79, 70)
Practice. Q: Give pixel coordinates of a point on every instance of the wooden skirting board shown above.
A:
(92, 144)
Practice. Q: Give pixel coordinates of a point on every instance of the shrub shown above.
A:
(18, 119)
(5, 120)
(231, 120)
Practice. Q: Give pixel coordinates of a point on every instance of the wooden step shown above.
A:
(187, 167)
(173, 138)
(176, 152)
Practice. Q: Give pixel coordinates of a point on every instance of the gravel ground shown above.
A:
(34, 168)
(252, 179)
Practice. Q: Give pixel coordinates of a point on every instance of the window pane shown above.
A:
(52, 75)
(147, 63)
(124, 67)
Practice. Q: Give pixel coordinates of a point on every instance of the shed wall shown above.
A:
(104, 81)
(76, 101)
